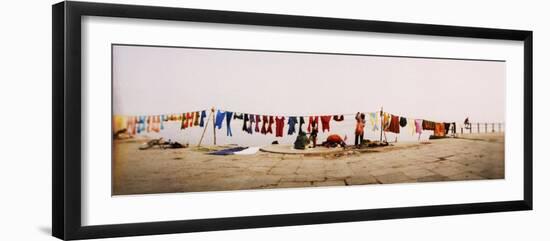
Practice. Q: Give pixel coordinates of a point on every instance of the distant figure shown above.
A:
(359, 128)
(301, 141)
(335, 140)
(467, 123)
(313, 133)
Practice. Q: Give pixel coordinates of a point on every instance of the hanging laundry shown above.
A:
(338, 118)
(149, 124)
(394, 124)
(439, 129)
(418, 126)
(312, 119)
(250, 126)
(162, 120)
(279, 124)
(264, 125)
(386, 121)
(120, 123)
(156, 123)
(325, 121)
(292, 121)
(302, 122)
(245, 120)
(203, 115)
(183, 122)
(270, 124)
(238, 116)
(402, 121)
(228, 116)
(196, 117)
(447, 127)
(220, 115)
(410, 122)
(373, 117)
(189, 119)
(428, 125)
(257, 129)
(131, 125)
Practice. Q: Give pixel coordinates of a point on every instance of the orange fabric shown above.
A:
(439, 129)
(334, 138)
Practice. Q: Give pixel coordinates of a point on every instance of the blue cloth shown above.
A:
(228, 116)
(292, 121)
(219, 119)
(203, 114)
(229, 151)
(162, 122)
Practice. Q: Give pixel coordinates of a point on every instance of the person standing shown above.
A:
(359, 128)
(313, 133)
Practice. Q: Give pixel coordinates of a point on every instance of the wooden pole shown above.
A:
(214, 125)
(381, 122)
(204, 130)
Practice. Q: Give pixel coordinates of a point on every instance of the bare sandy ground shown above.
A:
(471, 157)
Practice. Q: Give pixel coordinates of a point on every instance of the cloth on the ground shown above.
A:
(270, 124)
(335, 138)
(418, 126)
(247, 151)
(439, 129)
(428, 125)
(325, 122)
(279, 124)
(229, 151)
(312, 119)
(402, 121)
(447, 127)
(394, 124)
(264, 125)
(360, 124)
(203, 114)
(220, 115)
(301, 141)
(338, 118)
(302, 122)
(257, 129)
(228, 116)
(373, 117)
(292, 124)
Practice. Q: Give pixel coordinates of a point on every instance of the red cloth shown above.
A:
(439, 129)
(269, 129)
(325, 121)
(279, 124)
(334, 138)
(394, 124)
(257, 129)
(189, 119)
(312, 119)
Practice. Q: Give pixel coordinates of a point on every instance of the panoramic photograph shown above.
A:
(192, 119)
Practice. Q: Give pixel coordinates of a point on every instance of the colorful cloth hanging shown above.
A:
(394, 124)
(374, 121)
(271, 121)
(325, 121)
(228, 116)
(279, 124)
(220, 115)
(257, 128)
(428, 125)
(250, 128)
(292, 121)
(245, 120)
(203, 115)
(312, 119)
(264, 125)
(418, 126)
(439, 129)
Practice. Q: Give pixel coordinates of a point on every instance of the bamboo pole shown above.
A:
(204, 130)
(381, 122)
(214, 125)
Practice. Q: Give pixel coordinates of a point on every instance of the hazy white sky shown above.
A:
(158, 80)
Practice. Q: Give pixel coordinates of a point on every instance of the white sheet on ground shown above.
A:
(248, 151)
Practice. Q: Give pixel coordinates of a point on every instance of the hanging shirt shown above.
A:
(338, 118)
(238, 116)
(183, 121)
(447, 127)
(418, 126)
(439, 129)
(228, 116)
(189, 119)
(257, 129)
(245, 127)
(279, 124)
(250, 126)
(402, 121)
(269, 129)
(325, 121)
(264, 125)
(219, 119)
(312, 119)
(373, 117)
(428, 125)
(394, 124)
(302, 122)
(292, 124)
(196, 118)
(203, 114)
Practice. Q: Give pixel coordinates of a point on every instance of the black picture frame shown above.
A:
(66, 157)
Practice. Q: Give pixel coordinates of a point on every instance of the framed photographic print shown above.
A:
(170, 120)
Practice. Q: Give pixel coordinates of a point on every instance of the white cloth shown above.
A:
(247, 151)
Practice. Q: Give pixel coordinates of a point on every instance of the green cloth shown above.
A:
(301, 141)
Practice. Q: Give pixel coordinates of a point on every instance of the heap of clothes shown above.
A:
(269, 124)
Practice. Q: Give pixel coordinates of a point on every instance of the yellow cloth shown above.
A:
(119, 123)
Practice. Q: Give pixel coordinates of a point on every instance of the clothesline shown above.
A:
(289, 115)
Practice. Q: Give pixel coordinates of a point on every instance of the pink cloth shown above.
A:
(418, 125)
